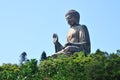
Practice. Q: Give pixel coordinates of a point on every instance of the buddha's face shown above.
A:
(71, 20)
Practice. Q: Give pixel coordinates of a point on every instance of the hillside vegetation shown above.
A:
(95, 66)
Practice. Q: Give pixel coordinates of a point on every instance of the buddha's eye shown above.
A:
(68, 17)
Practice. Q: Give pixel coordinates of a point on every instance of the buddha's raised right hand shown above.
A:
(55, 38)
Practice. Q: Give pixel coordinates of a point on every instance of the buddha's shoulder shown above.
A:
(83, 26)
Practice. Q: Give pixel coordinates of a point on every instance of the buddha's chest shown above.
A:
(73, 35)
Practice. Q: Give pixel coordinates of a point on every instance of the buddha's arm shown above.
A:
(75, 44)
(58, 47)
(57, 44)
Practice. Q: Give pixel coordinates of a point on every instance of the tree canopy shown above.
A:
(95, 66)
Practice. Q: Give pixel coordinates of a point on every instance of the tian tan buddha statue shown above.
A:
(77, 38)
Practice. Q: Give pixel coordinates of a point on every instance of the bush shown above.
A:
(95, 66)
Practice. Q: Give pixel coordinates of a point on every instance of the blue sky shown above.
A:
(28, 25)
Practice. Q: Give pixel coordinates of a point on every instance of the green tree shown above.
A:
(95, 66)
(23, 57)
(43, 56)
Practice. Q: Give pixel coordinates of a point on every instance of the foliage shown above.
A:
(23, 57)
(95, 66)
(43, 56)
